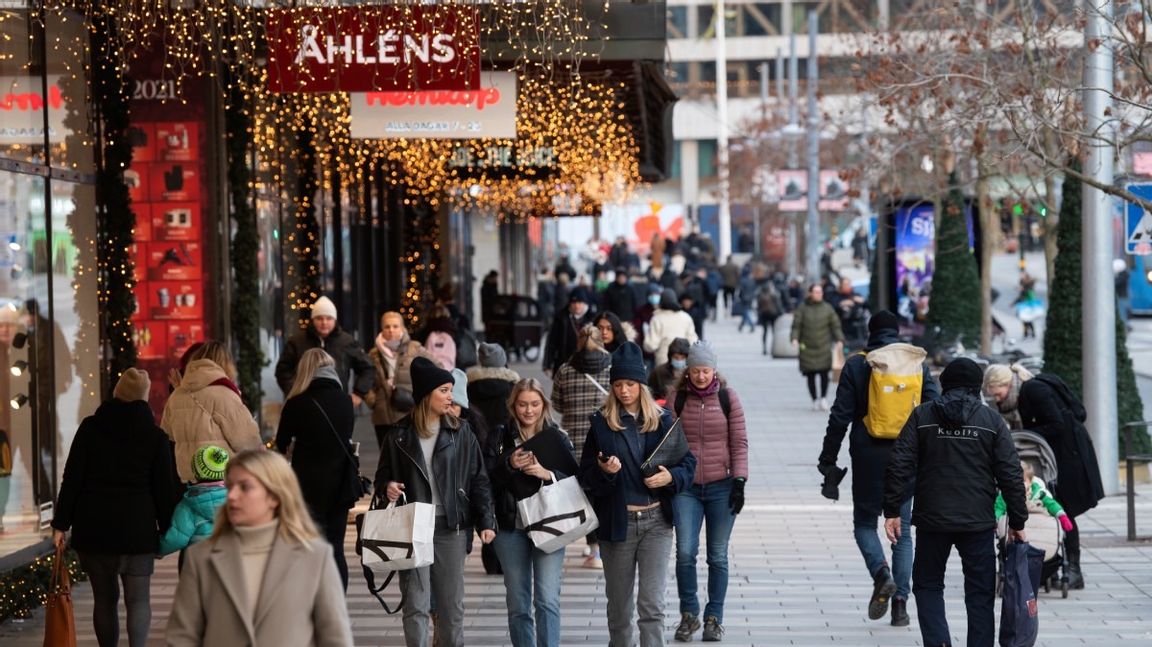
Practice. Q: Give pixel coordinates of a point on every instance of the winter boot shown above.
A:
(1072, 570)
(899, 612)
(882, 589)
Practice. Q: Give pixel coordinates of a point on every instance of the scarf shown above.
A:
(713, 387)
(228, 383)
(326, 373)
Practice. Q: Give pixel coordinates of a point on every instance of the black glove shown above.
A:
(832, 477)
(736, 497)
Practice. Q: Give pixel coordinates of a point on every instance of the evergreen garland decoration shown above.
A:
(955, 278)
(115, 267)
(245, 247)
(303, 275)
(25, 588)
(1063, 328)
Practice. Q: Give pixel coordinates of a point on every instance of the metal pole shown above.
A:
(1099, 321)
(725, 215)
(812, 227)
(780, 80)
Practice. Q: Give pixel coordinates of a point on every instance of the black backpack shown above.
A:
(682, 397)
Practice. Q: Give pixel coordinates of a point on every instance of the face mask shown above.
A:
(654, 299)
(679, 364)
(392, 344)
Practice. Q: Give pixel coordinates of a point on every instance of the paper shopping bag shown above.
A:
(557, 515)
(398, 538)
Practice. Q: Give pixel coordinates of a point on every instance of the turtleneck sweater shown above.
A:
(255, 546)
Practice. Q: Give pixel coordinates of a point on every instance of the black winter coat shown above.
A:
(959, 452)
(620, 299)
(510, 485)
(869, 455)
(488, 391)
(1048, 407)
(561, 342)
(343, 348)
(457, 466)
(119, 486)
(321, 455)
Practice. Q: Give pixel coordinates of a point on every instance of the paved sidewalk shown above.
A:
(797, 578)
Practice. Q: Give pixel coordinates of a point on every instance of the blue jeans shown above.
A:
(695, 506)
(864, 527)
(978, 558)
(528, 570)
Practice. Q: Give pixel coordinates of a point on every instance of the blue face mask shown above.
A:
(654, 299)
(679, 364)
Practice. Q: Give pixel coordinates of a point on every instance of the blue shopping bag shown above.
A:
(1019, 616)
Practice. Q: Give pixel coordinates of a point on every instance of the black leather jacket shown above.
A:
(457, 466)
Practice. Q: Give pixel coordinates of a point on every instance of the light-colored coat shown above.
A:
(665, 326)
(301, 601)
(201, 413)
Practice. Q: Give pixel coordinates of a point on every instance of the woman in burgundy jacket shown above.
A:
(713, 422)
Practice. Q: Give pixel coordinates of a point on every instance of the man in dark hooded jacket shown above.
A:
(869, 458)
(958, 452)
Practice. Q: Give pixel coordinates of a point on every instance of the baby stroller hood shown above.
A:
(1032, 447)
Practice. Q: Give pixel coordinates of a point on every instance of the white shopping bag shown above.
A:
(398, 538)
(557, 515)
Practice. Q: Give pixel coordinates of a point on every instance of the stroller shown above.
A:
(1044, 531)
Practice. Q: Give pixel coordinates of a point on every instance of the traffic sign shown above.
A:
(1138, 220)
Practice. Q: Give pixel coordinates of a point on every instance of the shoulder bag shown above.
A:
(356, 486)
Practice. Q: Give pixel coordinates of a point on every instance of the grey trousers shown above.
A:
(647, 549)
(444, 579)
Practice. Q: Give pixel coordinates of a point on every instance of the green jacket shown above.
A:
(815, 325)
(1035, 493)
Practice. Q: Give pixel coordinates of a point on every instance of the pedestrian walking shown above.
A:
(117, 497)
(769, 307)
(815, 327)
(194, 518)
(665, 377)
(430, 456)
(317, 423)
(531, 577)
(745, 303)
(614, 331)
(265, 577)
(1002, 383)
(730, 280)
(324, 332)
(391, 356)
(668, 322)
(619, 297)
(565, 327)
(635, 511)
(206, 409)
(869, 459)
(958, 452)
(490, 384)
(713, 421)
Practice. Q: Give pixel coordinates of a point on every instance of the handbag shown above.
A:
(557, 515)
(59, 621)
(1019, 616)
(672, 449)
(355, 485)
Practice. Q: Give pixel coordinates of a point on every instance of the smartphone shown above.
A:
(602, 458)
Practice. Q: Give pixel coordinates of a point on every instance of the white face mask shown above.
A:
(679, 364)
(654, 299)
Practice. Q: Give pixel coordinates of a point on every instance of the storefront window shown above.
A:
(21, 93)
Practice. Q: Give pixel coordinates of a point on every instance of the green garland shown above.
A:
(303, 276)
(24, 589)
(114, 206)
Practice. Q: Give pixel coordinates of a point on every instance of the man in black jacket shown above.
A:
(561, 342)
(324, 332)
(869, 458)
(958, 451)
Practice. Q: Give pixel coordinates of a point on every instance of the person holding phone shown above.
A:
(635, 510)
(531, 451)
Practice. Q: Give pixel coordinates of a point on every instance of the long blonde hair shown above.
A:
(650, 412)
(531, 384)
(1003, 374)
(421, 412)
(276, 475)
(218, 353)
(310, 361)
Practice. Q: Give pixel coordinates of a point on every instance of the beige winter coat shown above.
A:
(664, 327)
(201, 413)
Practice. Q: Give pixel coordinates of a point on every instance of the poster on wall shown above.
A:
(915, 245)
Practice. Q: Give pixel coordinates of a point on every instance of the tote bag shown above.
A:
(1019, 615)
(557, 515)
(398, 538)
(59, 622)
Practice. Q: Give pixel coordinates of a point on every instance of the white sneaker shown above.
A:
(823, 404)
(587, 551)
(815, 405)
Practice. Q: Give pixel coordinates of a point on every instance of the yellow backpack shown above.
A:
(894, 388)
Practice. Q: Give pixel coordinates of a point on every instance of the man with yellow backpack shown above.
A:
(878, 389)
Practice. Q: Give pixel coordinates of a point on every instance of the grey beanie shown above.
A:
(460, 388)
(701, 355)
(492, 355)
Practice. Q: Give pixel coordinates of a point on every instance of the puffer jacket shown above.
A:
(575, 396)
(204, 411)
(194, 517)
(457, 465)
(720, 444)
(488, 391)
(665, 326)
(393, 375)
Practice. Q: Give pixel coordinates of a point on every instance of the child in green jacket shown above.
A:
(1037, 493)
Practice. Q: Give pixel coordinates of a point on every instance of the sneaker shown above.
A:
(689, 624)
(593, 561)
(713, 630)
(587, 551)
(883, 588)
(899, 612)
(815, 405)
(823, 404)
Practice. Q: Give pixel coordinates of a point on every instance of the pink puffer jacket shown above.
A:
(720, 446)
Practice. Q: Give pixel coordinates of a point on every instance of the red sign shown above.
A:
(373, 49)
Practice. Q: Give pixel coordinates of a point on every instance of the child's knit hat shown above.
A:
(209, 463)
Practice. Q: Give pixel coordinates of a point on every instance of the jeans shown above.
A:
(978, 557)
(703, 505)
(135, 571)
(647, 549)
(864, 523)
(444, 579)
(531, 579)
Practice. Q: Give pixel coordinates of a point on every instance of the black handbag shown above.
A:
(355, 486)
(672, 449)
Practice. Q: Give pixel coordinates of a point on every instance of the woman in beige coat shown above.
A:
(206, 409)
(391, 356)
(265, 577)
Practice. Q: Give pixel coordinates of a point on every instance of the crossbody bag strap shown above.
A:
(340, 441)
(595, 383)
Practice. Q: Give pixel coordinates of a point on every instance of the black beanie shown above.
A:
(628, 364)
(961, 373)
(883, 320)
(427, 377)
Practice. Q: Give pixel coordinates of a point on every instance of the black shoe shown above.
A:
(713, 630)
(689, 624)
(1075, 578)
(899, 612)
(883, 588)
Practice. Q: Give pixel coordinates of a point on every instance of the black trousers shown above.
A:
(334, 524)
(978, 559)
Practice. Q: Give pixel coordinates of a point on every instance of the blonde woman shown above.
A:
(265, 577)
(391, 356)
(206, 409)
(319, 417)
(431, 456)
(636, 512)
(1002, 383)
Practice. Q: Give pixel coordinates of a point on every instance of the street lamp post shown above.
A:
(812, 226)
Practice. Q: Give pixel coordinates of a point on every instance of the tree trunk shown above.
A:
(987, 246)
